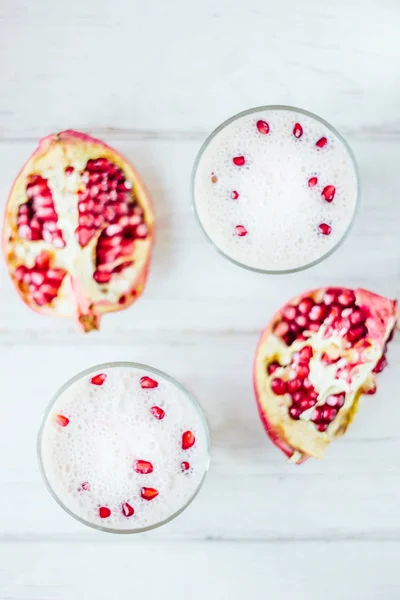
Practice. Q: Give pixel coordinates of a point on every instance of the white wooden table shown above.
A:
(153, 78)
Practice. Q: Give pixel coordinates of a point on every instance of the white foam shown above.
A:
(277, 207)
(111, 426)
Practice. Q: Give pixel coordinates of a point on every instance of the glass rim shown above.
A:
(250, 111)
(154, 371)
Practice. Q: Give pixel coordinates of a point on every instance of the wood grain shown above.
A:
(153, 79)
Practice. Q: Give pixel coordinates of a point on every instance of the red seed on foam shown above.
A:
(325, 229)
(234, 195)
(297, 130)
(263, 127)
(239, 161)
(241, 231)
(61, 420)
(157, 412)
(148, 493)
(143, 467)
(98, 379)
(127, 509)
(322, 142)
(312, 182)
(185, 466)
(328, 193)
(104, 512)
(188, 440)
(148, 382)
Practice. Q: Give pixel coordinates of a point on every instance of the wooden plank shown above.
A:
(143, 569)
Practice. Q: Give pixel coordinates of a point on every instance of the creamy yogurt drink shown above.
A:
(275, 189)
(123, 447)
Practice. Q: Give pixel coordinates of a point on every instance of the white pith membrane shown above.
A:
(79, 295)
(299, 438)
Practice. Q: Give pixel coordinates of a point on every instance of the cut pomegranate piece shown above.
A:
(127, 509)
(61, 420)
(322, 142)
(185, 466)
(297, 130)
(239, 161)
(143, 467)
(148, 493)
(263, 127)
(78, 230)
(104, 512)
(320, 380)
(148, 382)
(98, 379)
(188, 440)
(157, 412)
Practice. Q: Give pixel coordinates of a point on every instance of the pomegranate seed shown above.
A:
(289, 313)
(325, 229)
(85, 486)
(357, 317)
(297, 130)
(312, 182)
(321, 143)
(185, 466)
(214, 178)
(308, 385)
(141, 231)
(127, 509)
(104, 512)
(317, 313)
(302, 321)
(263, 127)
(356, 333)
(297, 396)
(234, 195)
(272, 367)
(295, 412)
(303, 370)
(143, 467)
(305, 306)
(307, 403)
(336, 400)
(328, 193)
(240, 230)
(157, 412)
(61, 420)
(306, 353)
(278, 386)
(371, 391)
(98, 379)
(293, 385)
(289, 338)
(102, 277)
(281, 328)
(148, 493)
(188, 440)
(322, 426)
(239, 161)
(330, 296)
(380, 365)
(148, 382)
(69, 170)
(347, 298)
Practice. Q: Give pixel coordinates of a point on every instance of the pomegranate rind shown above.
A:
(72, 148)
(299, 440)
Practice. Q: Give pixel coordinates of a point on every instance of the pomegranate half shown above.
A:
(316, 357)
(78, 230)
